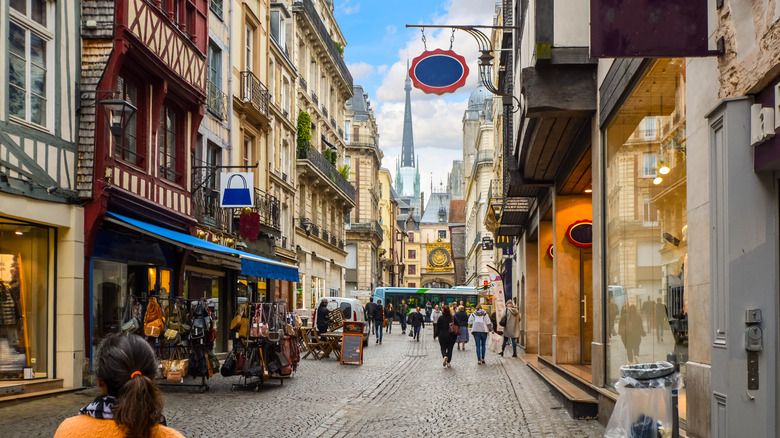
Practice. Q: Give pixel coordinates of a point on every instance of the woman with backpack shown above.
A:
(445, 335)
(480, 327)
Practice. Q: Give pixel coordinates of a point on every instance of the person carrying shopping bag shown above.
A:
(480, 327)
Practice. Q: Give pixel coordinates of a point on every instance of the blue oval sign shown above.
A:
(439, 71)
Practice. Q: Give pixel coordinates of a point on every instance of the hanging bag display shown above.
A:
(229, 367)
(153, 320)
(131, 324)
(175, 363)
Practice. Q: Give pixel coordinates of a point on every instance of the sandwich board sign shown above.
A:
(352, 343)
(236, 189)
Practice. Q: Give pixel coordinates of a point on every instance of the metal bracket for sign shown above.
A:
(214, 169)
(485, 48)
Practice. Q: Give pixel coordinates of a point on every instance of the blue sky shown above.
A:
(378, 46)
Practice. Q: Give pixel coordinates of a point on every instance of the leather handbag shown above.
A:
(174, 376)
(153, 328)
(171, 335)
(254, 332)
(175, 364)
(384, 322)
(131, 325)
(454, 329)
(229, 367)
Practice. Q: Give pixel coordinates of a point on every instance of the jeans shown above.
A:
(403, 323)
(370, 323)
(417, 332)
(428, 316)
(514, 345)
(480, 339)
(378, 330)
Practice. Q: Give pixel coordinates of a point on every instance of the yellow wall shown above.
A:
(545, 289)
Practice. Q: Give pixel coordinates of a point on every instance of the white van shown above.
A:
(352, 309)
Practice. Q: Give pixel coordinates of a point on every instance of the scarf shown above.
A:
(101, 408)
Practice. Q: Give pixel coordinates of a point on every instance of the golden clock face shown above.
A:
(439, 257)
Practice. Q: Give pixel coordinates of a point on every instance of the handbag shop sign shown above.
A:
(236, 189)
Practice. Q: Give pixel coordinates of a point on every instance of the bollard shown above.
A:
(672, 358)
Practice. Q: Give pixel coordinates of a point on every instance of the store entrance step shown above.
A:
(23, 390)
(576, 400)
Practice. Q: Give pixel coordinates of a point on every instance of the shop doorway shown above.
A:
(586, 305)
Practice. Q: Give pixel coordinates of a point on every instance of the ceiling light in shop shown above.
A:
(18, 232)
(657, 180)
(588, 190)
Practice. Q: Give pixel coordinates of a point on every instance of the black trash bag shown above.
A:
(644, 427)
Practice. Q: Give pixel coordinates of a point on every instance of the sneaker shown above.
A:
(445, 362)
(449, 365)
(501, 354)
(377, 341)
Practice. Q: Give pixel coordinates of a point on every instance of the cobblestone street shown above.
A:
(401, 390)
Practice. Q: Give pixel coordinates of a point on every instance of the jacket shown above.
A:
(87, 427)
(442, 330)
(403, 310)
(416, 319)
(480, 322)
(322, 317)
(370, 310)
(379, 312)
(435, 315)
(512, 329)
(462, 318)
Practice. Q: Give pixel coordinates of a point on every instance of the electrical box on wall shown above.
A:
(762, 123)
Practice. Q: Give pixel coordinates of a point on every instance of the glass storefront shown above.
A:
(646, 222)
(24, 299)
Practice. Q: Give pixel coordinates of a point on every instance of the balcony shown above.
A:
(311, 161)
(207, 211)
(254, 94)
(341, 133)
(310, 12)
(267, 206)
(314, 98)
(217, 101)
(332, 123)
(365, 141)
(303, 83)
(367, 225)
(324, 111)
(334, 241)
(482, 157)
(325, 235)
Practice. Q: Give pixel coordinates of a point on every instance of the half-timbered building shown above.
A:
(41, 219)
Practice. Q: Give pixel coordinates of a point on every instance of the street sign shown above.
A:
(439, 71)
(236, 189)
(360, 293)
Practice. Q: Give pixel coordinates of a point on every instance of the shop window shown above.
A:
(412, 269)
(24, 297)
(29, 45)
(646, 222)
(168, 137)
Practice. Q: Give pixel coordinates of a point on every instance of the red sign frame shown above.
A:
(571, 237)
(429, 89)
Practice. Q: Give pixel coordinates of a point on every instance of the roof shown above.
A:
(394, 195)
(458, 211)
(438, 209)
(359, 104)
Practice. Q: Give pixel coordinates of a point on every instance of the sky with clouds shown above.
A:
(378, 47)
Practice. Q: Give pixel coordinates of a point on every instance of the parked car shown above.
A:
(352, 309)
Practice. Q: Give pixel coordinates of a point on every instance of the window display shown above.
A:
(24, 287)
(646, 223)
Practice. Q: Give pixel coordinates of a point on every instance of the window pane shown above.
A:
(38, 80)
(38, 12)
(16, 37)
(16, 101)
(37, 110)
(37, 50)
(16, 71)
(20, 5)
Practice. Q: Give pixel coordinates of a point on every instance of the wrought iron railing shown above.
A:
(330, 172)
(254, 92)
(304, 84)
(495, 190)
(314, 98)
(267, 206)
(217, 101)
(341, 133)
(333, 240)
(341, 244)
(315, 230)
(332, 123)
(324, 111)
(308, 7)
(367, 225)
(205, 198)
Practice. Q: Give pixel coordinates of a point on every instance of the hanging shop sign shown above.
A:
(487, 243)
(580, 233)
(550, 252)
(438, 71)
(236, 189)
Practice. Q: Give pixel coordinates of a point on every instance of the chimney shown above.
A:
(422, 203)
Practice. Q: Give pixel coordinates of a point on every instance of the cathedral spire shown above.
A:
(407, 146)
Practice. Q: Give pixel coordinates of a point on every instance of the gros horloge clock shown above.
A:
(439, 258)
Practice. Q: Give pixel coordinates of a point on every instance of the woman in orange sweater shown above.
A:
(131, 405)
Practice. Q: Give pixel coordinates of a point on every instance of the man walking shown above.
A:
(403, 311)
(370, 316)
(379, 317)
(416, 320)
(428, 311)
(435, 315)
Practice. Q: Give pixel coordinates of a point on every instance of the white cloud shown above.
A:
(348, 9)
(381, 69)
(360, 70)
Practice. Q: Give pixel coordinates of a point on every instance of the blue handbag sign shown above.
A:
(235, 189)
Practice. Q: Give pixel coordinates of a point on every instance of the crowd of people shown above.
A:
(450, 325)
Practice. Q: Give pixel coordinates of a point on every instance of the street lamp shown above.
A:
(307, 226)
(497, 206)
(119, 112)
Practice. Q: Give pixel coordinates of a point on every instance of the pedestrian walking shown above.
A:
(446, 339)
(131, 404)
(370, 315)
(660, 320)
(417, 321)
(631, 329)
(428, 311)
(435, 314)
(389, 315)
(323, 316)
(612, 313)
(647, 309)
(462, 319)
(379, 317)
(511, 327)
(480, 327)
(403, 313)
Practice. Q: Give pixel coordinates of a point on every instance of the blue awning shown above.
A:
(251, 264)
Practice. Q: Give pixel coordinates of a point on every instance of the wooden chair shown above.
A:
(313, 348)
(325, 345)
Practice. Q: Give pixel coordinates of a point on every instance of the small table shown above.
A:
(334, 343)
